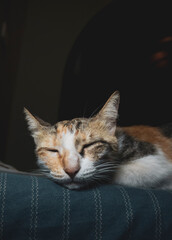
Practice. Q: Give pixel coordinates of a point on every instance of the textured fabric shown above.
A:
(33, 207)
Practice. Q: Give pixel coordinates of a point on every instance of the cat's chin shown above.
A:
(74, 186)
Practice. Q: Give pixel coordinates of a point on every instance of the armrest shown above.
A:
(35, 207)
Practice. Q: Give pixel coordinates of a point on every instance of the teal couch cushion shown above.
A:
(33, 207)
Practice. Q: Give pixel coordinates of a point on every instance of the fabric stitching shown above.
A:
(96, 215)
(157, 211)
(128, 209)
(4, 197)
(100, 213)
(36, 208)
(32, 210)
(1, 177)
(66, 214)
(160, 217)
(1, 192)
(129, 205)
(3, 188)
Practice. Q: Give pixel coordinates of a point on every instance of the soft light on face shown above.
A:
(78, 152)
(70, 156)
(59, 153)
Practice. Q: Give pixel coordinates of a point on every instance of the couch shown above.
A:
(34, 207)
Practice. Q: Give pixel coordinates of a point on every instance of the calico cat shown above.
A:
(85, 151)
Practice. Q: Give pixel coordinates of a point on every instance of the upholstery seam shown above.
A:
(98, 214)
(3, 187)
(66, 214)
(1, 179)
(128, 209)
(36, 207)
(31, 210)
(157, 210)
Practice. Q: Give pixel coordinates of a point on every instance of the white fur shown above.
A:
(67, 142)
(147, 171)
(86, 167)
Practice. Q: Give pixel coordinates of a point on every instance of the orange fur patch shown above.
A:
(51, 162)
(151, 135)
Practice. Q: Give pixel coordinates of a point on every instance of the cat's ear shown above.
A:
(35, 124)
(109, 112)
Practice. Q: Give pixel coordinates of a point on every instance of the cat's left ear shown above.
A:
(109, 112)
(35, 124)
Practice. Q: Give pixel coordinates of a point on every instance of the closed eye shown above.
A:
(47, 149)
(92, 144)
(52, 150)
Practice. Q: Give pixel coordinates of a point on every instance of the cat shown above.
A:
(84, 152)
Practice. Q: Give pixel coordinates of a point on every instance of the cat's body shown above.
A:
(146, 157)
(86, 151)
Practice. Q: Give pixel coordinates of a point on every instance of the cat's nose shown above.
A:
(72, 171)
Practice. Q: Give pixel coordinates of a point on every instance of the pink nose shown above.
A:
(72, 171)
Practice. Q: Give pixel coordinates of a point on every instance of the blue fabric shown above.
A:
(36, 208)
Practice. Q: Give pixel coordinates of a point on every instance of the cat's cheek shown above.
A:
(50, 162)
(86, 165)
(89, 155)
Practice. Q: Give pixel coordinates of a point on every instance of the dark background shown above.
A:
(63, 59)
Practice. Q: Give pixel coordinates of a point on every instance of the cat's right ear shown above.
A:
(109, 113)
(35, 124)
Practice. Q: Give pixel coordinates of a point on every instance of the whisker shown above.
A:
(85, 108)
(82, 126)
(106, 166)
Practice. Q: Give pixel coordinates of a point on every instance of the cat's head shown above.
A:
(78, 152)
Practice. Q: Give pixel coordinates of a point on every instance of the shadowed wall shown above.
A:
(51, 28)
